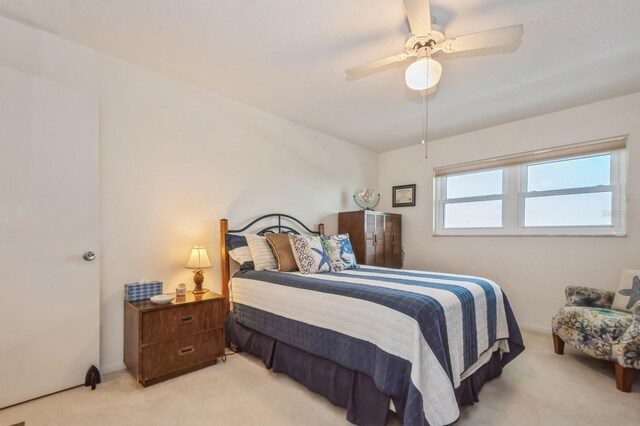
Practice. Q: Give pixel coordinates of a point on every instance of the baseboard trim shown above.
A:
(110, 368)
(537, 328)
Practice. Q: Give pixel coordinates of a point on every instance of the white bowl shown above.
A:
(162, 299)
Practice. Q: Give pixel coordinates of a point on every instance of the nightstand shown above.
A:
(165, 341)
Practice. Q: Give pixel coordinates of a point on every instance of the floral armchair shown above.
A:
(589, 324)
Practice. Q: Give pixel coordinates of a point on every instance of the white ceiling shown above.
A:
(288, 57)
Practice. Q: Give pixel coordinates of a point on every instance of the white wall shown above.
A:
(532, 270)
(175, 159)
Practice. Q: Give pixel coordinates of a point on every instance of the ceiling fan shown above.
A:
(427, 38)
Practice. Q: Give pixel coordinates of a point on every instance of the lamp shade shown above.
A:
(199, 258)
(423, 74)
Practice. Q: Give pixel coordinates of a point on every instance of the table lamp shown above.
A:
(198, 261)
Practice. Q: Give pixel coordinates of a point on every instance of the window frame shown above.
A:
(514, 195)
(442, 201)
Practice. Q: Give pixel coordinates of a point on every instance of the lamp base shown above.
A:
(198, 279)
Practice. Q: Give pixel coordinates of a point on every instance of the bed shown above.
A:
(372, 339)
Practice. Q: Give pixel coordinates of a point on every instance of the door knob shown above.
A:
(89, 256)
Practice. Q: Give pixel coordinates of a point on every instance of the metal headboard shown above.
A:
(280, 228)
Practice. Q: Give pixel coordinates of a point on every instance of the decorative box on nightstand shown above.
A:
(165, 341)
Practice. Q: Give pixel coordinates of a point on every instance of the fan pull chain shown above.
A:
(426, 124)
(425, 95)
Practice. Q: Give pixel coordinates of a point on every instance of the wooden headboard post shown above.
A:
(224, 264)
(224, 256)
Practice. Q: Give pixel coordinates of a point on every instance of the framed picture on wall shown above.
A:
(404, 195)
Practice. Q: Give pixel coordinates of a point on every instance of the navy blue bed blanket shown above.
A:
(416, 334)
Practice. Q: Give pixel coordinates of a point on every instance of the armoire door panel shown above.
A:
(393, 224)
(380, 240)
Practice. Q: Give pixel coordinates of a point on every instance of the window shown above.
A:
(473, 200)
(569, 192)
(535, 194)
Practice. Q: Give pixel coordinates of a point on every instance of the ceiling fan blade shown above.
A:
(360, 69)
(506, 36)
(419, 16)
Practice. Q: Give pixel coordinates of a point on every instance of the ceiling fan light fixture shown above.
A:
(423, 74)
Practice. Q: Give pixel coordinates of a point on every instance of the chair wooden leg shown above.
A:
(624, 378)
(558, 344)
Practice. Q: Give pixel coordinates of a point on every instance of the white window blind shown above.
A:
(586, 148)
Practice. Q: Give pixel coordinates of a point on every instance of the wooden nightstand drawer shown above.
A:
(173, 355)
(161, 325)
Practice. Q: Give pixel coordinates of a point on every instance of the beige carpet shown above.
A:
(538, 388)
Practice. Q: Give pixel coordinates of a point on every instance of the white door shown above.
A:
(49, 216)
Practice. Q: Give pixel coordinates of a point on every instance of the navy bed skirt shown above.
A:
(355, 391)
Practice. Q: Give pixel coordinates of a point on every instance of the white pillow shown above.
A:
(261, 253)
(628, 293)
(310, 254)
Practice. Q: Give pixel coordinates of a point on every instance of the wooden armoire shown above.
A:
(376, 237)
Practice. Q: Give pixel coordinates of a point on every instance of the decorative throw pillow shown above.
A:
(282, 250)
(239, 250)
(340, 251)
(309, 254)
(628, 293)
(261, 253)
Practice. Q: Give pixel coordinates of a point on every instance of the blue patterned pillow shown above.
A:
(238, 249)
(309, 254)
(340, 251)
(628, 293)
